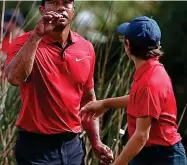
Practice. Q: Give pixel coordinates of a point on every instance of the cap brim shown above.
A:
(122, 28)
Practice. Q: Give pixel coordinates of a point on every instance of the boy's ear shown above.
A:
(127, 43)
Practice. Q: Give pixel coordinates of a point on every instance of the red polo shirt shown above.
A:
(52, 93)
(5, 43)
(4, 49)
(152, 95)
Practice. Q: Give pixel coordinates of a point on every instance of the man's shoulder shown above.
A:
(21, 39)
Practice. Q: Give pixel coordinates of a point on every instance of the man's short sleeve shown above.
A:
(15, 46)
(90, 82)
(148, 103)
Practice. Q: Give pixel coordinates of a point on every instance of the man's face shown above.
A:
(63, 7)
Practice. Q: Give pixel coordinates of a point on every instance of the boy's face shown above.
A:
(126, 45)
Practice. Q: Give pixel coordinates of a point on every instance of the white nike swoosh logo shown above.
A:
(79, 59)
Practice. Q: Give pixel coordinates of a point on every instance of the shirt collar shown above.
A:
(72, 36)
(144, 67)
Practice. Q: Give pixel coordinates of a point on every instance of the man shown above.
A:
(151, 105)
(53, 67)
(11, 27)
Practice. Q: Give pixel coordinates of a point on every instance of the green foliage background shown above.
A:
(113, 72)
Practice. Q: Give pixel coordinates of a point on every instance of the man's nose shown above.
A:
(60, 5)
(60, 8)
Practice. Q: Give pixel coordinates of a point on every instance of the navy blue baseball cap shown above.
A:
(142, 31)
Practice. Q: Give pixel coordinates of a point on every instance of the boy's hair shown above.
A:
(144, 53)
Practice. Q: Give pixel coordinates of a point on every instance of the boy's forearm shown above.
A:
(132, 148)
(118, 102)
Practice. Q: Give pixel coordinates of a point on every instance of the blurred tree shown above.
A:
(173, 23)
(111, 13)
(113, 70)
(29, 9)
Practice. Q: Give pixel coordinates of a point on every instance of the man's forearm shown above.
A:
(132, 148)
(91, 126)
(21, 65)
(92, 129)
(118, 102)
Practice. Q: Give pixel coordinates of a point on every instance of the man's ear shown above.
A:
(41, 10)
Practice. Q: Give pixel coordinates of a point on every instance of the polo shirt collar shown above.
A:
(144, 67)
(48, 40)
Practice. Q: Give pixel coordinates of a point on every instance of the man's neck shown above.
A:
(61, 37)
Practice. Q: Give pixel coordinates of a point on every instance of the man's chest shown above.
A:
(67, 64)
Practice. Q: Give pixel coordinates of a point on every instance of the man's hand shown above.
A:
(119, 164)
(48, 22)
(92, 110)
(103, 153)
